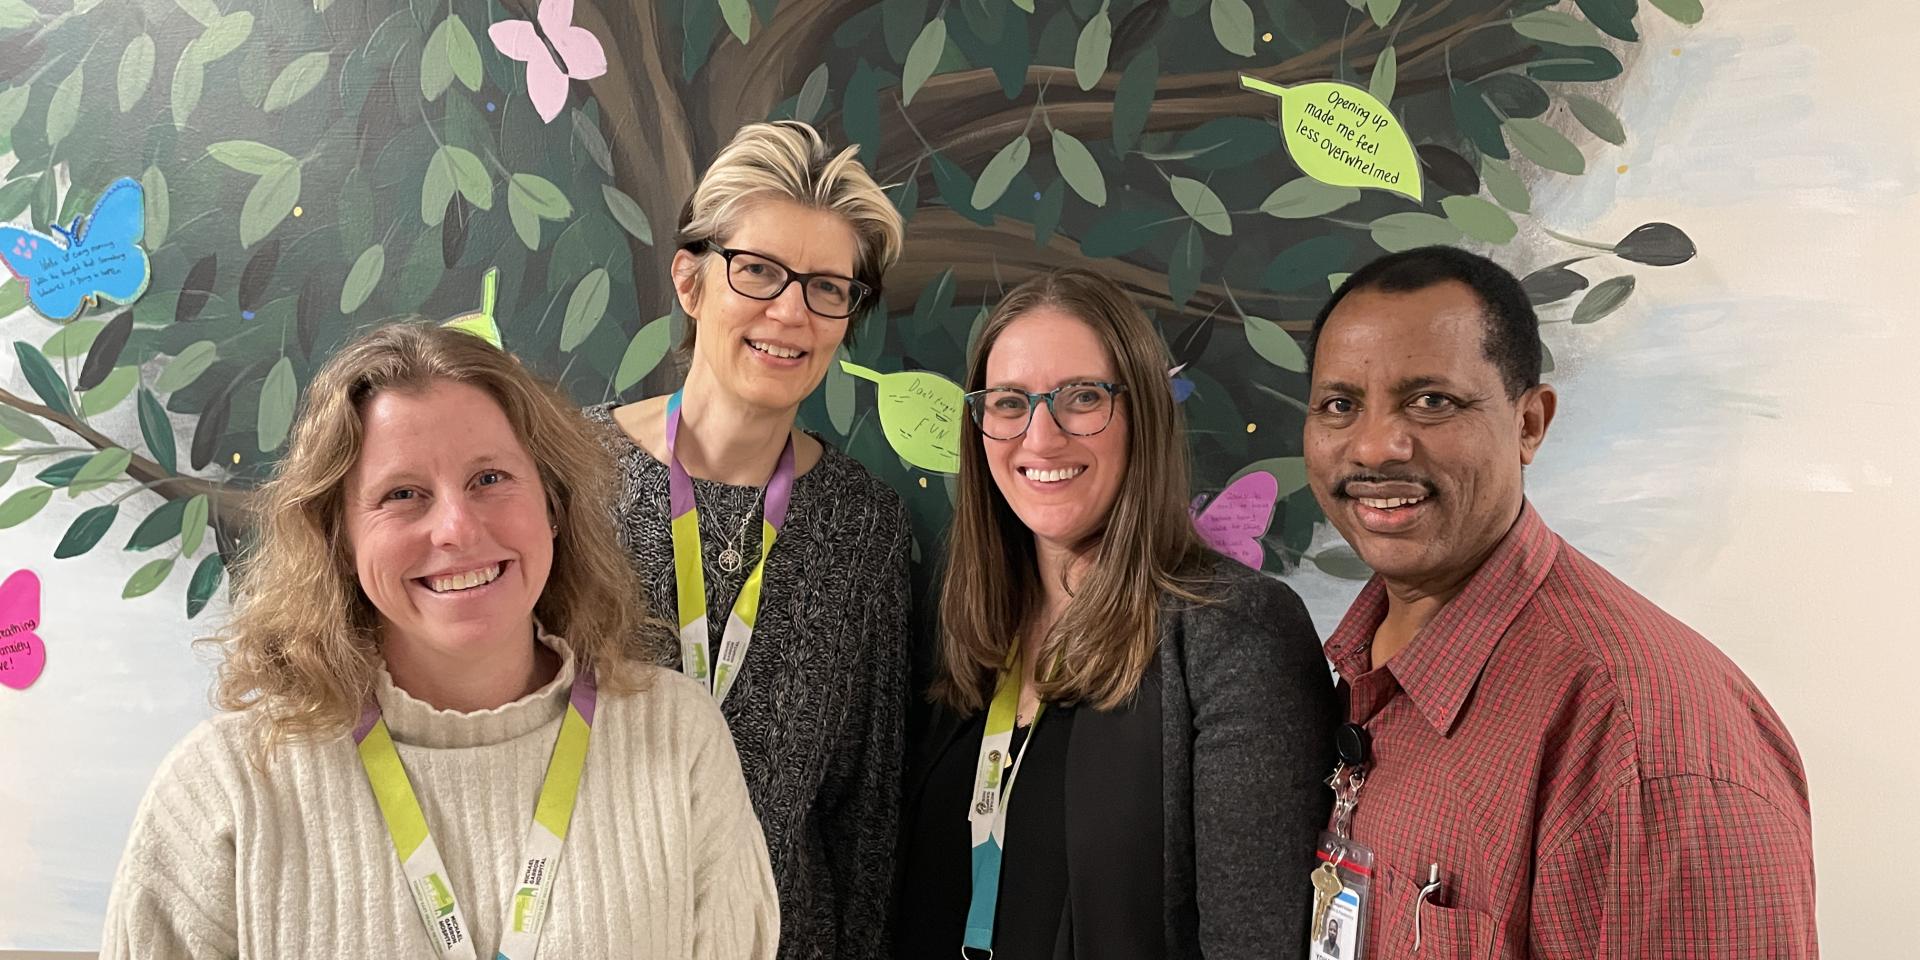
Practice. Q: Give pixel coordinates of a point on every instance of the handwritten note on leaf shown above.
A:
(920, 413)
(1341, 134)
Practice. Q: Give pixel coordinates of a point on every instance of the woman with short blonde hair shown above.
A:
(781, 562)
(431, 693)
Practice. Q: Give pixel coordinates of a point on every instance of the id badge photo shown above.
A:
(1341, 881)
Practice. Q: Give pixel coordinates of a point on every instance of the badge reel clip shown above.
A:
(1344, 875)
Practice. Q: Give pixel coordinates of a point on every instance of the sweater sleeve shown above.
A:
(736, 908)
(862, 794)
(1263, 714)
(173, 897)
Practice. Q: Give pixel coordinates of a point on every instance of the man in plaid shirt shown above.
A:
(1590, 777)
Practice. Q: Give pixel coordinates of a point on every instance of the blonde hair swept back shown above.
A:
(788, 160)
(302, 647)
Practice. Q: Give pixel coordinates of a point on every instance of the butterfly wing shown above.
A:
(547, 86)
(111, 243)
(20, 599)
(39, 261)
(582, 51)
(517, 39)
(22, 655)
(1238, 517)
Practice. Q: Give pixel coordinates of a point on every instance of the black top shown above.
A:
(937, 870)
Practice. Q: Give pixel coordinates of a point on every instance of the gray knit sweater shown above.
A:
(817, 711)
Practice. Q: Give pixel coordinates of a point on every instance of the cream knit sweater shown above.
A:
(664, 861)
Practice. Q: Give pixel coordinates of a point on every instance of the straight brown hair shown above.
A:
(1146, 551)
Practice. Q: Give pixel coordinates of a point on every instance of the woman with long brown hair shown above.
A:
(434, 690)
(1163, 712)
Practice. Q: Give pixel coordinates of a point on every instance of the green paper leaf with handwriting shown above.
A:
(1342, 135)
(920, 413)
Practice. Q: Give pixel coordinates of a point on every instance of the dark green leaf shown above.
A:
(206, 579)
(1183, 272)
(1133, 99)
(1228, 143)
(1306, 264)
(157, 430)
(956, 189)
(209, 429)
(1342, 562)
(44, 380)
(455, 226)
(1513, 95)
(86, 530)
(62, 473)
(1552, 284)
(1449, 170)
(1120, 232)
(1046, 214)
(160, 526)
(257, 273)
(902, 21)
(1613, 16)
(1656, 245)
(14, 197)
(860, 108)
(1605, 297)
(198, 289)
(104, 355)
(1478, 122)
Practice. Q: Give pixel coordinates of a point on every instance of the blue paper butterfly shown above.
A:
(96, 257)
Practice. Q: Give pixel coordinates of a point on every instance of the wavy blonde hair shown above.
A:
(1146, 551)
(302, 648)
(788, 160)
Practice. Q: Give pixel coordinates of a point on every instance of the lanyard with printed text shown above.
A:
(987, 817)
(546, 835)
(690, 576)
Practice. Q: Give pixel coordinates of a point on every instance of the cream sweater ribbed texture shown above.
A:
(664, 861)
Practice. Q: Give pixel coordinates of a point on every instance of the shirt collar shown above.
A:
(1440, 667)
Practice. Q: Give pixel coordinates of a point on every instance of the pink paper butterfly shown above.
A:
(578, 52)
(22, 655)
(1238, 516)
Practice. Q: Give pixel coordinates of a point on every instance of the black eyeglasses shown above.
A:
(1081, 409)
(760, 277)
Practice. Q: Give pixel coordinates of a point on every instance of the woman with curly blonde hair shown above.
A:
(433, 690)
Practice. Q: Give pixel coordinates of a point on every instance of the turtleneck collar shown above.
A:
(415, 722)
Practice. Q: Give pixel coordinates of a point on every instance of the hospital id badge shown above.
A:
(1341, 878)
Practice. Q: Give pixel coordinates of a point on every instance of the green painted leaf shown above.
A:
(188, 76)
(193, 524)
(956, 189)
(1597, 118)
(108, 393)
(1121, 231)
(22, 505)
(1090, 52)
(136, 71)
(62, 473)
(298, 79)
(436, 189)
(1505, 185)
(1274, 344)
(627, 213)
(1342, 562)
(249, 156)
(1078, 168)
(463, 52)
(206, 580)
(364, 276)
(923, 57)
(1304, 197)
(1000, 172)
(1382, 12)
(1133, 100)
(157, 430)
(24, 424)
(526, 223)
(1478, 121)
(14, 197)
(1233, 26)
(186, 367)
(204, 11)
(44, 380)
(1480, 219)
(1202, 204)
(1183, 270)
(85, 531)
(153, 184)
(15, 14)
(1405, 231)
(100, 470)
(1386, 75)
(812, 96)
(278, 394)
(1575, 64)
(1554, 26)
(645, 351)
(269, 202)
(585, 308)
(842, 390)
(63, 111)
(436, 62)
(1546, 146)
(1291, 472)
(542, 197)
(224, 36)
(739, 16)
(147, 578)
(13, 297)
(1046, 213)
(13, 105)
(1605, 297)
(1688, 12)
(1613, 16)
(160, 526)
(72, 340)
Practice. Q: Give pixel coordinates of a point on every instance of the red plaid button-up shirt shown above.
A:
(1593, 778)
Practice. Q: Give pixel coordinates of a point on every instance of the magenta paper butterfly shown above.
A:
(22, 655)
(1237, 517)
(555, 52)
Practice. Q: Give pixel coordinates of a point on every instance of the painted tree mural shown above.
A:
(311, 167)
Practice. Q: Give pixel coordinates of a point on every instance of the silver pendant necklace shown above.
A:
(731, 557)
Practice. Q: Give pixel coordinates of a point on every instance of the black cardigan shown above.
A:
(1232, 735)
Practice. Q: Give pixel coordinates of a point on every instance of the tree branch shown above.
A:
(233, 506)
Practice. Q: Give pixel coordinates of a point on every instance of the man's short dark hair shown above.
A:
(1513, 331)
